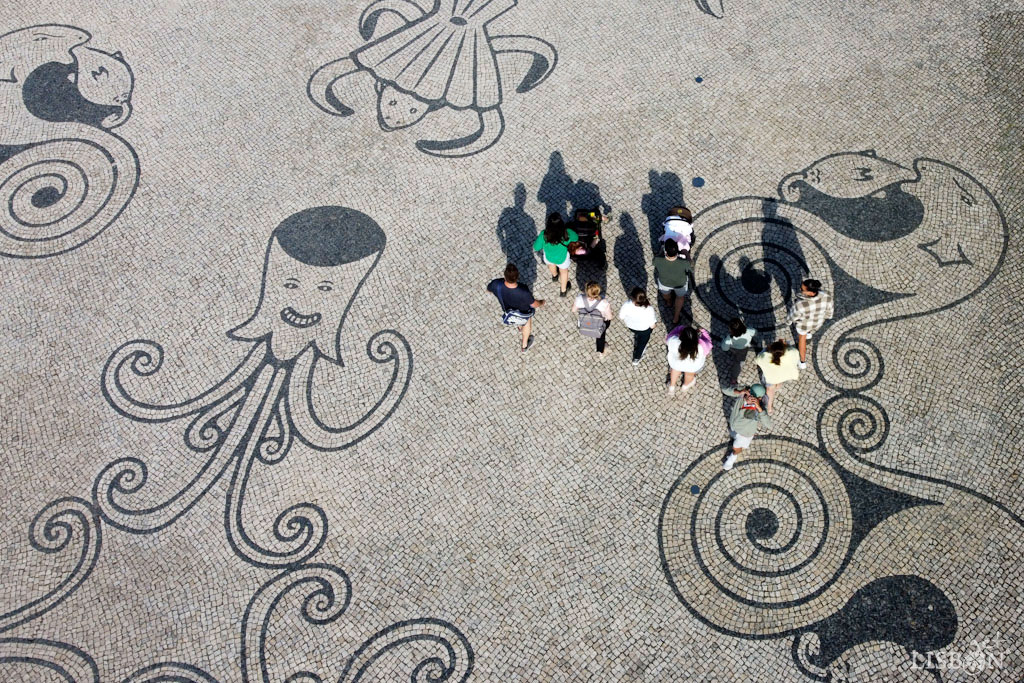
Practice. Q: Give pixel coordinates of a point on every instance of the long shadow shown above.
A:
(666, 192)
(780, 248)
(628, 256)
(516, 232)
(556, 188)
(726, 369)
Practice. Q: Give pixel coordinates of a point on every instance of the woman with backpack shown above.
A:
(595, 314)
(638, 315)
(553, 243)
(779, 363)
(688, 350)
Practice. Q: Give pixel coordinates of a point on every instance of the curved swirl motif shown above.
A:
(64, 177)
(752, 259)
(454, 661)
(386, 346)
(66, 661)
(59, 194)
(301, 529)
(328, 592)
(170, 672)
(746, 550)
(66, 522)
(144, 358)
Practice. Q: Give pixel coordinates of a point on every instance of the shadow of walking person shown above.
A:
(556, 187)
(666, 192)
(730, 290)
(516, 232)
(784, 268)
(628, 257)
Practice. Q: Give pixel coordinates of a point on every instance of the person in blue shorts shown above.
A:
(517, 303)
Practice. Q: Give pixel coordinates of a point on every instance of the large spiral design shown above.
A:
(752, 261)
(745, 550)
(59, 194)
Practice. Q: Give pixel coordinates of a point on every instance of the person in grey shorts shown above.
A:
(672, 274)
(738, 344)
(746, 416)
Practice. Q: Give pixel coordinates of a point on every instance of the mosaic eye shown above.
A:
(325, 288)
(290, 285)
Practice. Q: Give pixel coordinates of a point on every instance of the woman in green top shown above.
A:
(554, 244)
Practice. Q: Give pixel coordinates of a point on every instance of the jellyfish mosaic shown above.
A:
(64, 177)
(316, 262)
(439, 59)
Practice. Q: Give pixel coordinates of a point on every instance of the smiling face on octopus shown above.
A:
(316, 262)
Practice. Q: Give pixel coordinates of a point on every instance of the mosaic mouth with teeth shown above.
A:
(296, 319)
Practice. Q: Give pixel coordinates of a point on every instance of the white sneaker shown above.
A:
(729, 462)
(672, 390)
(802, 365)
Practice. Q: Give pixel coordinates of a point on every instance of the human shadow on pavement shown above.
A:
(516, 232)
(628, 256)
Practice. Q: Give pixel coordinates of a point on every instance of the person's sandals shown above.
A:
(529, 343)
(554, 278)
(568, 286)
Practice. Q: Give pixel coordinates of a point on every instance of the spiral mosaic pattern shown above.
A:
(745, 549)
(59, 194)
(752, 261)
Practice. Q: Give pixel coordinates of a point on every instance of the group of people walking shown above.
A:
(688, 346)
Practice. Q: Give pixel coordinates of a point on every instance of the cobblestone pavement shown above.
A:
(261, 422)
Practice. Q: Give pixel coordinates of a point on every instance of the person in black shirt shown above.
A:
(517, 303)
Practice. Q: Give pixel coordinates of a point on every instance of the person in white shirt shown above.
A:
(638, 315)
(688, 350)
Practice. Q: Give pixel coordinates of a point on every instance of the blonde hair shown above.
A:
(592, 289)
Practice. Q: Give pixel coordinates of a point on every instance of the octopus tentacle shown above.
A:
(277, 441)
(406, 9)
(127, 476)
(144, 358)
(170, 672)
(492, 125)
(545, 57)
(67, 661)
(386, 346)
(57, 525)
(320, 88)
(328, 592)
(302, 528)
(205, 431)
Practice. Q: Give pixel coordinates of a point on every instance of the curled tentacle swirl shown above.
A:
(65, 522)
(453, 661)
(301, 529)
(746, 550)
(327, 592)
(170, 672)
(144, 358)
(64, 661)
(386, 346)
(59, 194)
